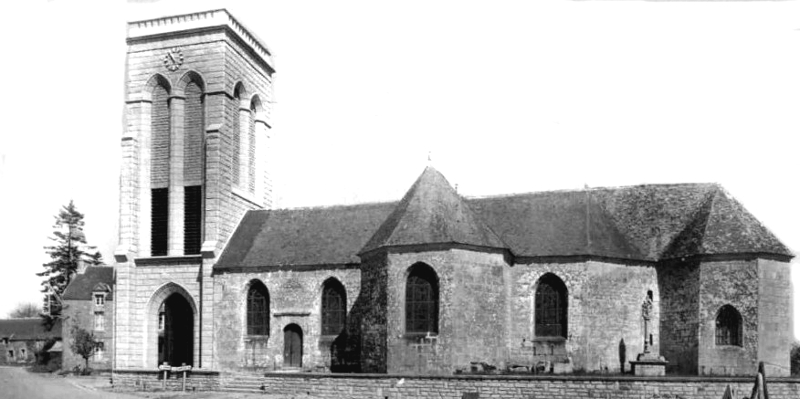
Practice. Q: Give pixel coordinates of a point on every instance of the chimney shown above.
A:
(81, 266)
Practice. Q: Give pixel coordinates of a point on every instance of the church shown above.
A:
(208, 274)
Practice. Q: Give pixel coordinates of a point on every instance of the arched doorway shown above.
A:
(175, 331)
(292, 346)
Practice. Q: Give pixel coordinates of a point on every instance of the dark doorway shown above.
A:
(176, 340)
(292, 346)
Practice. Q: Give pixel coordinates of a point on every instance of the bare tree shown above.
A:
(25, 309)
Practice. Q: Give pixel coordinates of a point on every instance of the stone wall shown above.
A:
(19, 352)
(680, 291)
(732, 283)
(472, 312)
(295, 297)
(605, 325)
(775, 301)
(81, 313)
(523, 387)
(371, 386)
(152, 283)
(153, 380)
(372, 312)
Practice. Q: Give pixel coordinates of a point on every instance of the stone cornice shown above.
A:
(199, 20)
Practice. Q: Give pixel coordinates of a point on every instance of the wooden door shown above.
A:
(292, 346)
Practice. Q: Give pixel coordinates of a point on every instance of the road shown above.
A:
(16, 383)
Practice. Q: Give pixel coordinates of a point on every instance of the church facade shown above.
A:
(208, 275)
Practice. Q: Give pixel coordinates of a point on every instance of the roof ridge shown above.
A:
(322, 207)
(589, 189)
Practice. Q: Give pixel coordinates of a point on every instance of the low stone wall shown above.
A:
(149, 380)
(523, 387)
(383, 386)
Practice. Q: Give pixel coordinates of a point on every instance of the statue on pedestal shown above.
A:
(648, 363)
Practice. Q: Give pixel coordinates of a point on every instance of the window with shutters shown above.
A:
(257, 309)
(159, 221)
(729, 326)
(422, 300)
(192, 219)
(551, 307)
(99, 350)
(334, 307)
(99, 321)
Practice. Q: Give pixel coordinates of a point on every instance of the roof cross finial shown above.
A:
(429, 158)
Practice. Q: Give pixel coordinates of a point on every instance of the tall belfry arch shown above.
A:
(195, 158)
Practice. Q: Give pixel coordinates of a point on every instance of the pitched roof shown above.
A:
(304, 236)
(432, 212)
(645, 222)
(558, 223)
(28, 329)
(82, 286)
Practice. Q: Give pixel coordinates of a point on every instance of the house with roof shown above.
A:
(88, 303)
(21, 340)
(207, 274)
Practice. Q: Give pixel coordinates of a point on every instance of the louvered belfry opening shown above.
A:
(192, 219)
(159, 171)
(237, 138)
(251, 149)
(422, 300)
(258, 310)
(159, 233)
(334, 308)
(551, 307)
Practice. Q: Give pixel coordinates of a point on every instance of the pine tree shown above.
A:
(69, 247)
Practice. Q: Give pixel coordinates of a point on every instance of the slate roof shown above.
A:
(28, 329)
(82, 286)
(645, 222)
(432, 212)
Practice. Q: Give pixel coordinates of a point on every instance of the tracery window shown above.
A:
(551, 307)
(334, 307)
(257, 310)
(729, 326)
(422, 300)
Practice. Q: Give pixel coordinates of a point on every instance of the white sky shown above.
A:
(509, 96)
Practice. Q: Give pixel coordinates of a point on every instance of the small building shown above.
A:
(88, 304)
(22, 339)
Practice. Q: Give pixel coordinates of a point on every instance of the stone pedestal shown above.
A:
(649, 364)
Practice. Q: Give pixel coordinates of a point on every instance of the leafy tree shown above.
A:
(794, 358)
(84, 344)
(27, 309)
(69, 247)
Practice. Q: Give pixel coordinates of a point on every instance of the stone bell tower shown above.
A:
(195, 154)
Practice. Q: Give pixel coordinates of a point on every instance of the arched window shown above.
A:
(551, 307)
(334, 307)
(422, 300)
(729, 326)
(193, 167)
(159, 168)
(257, 310)
(251, 147)
(236, 146)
